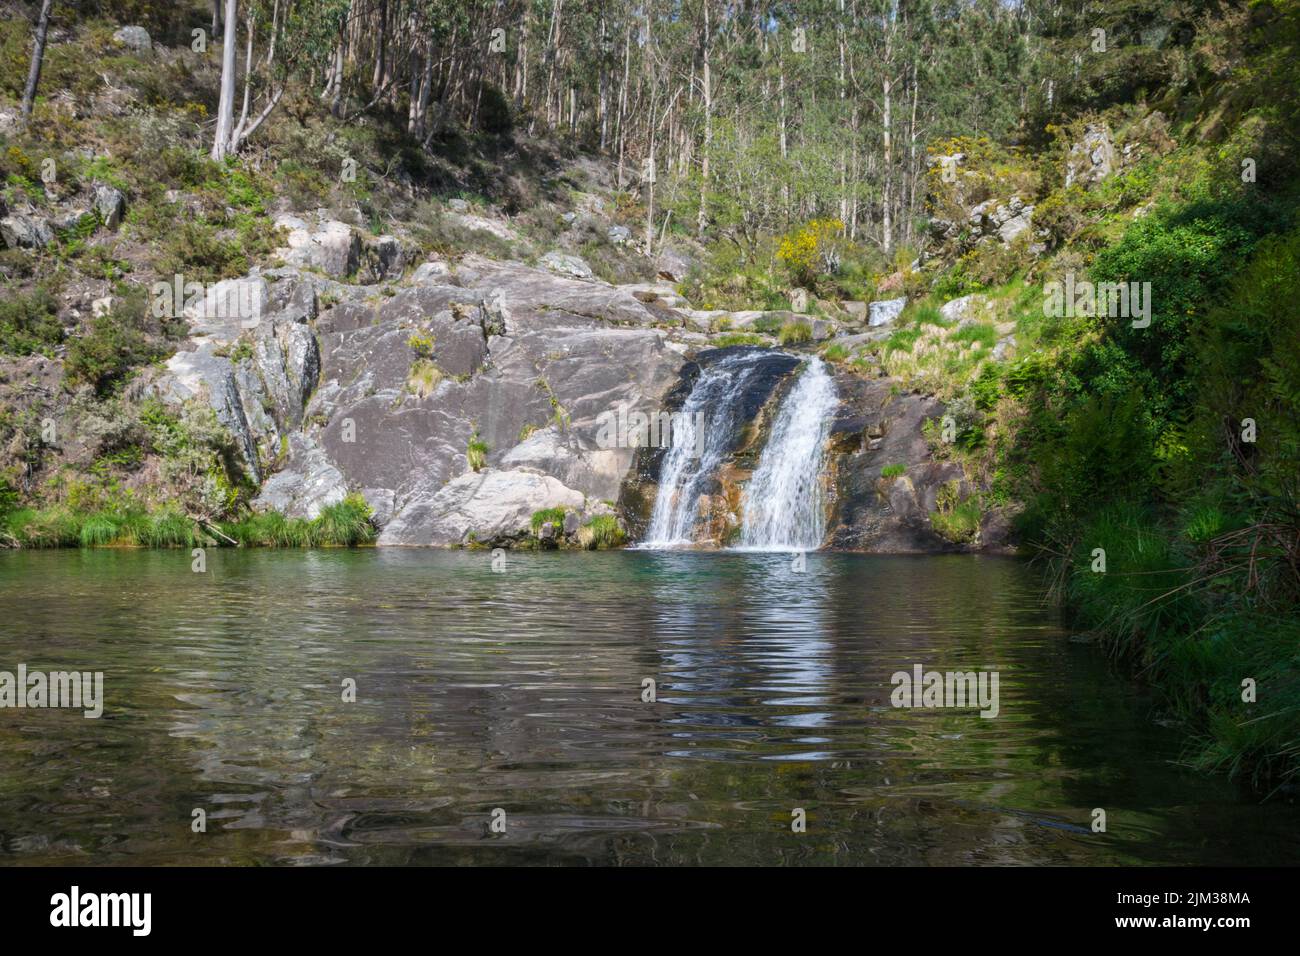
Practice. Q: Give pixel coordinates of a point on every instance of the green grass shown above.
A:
(893, 471)
(345, 524)
(554, 515)
(902, 340)
(97, 530)
(985, 335)
(835, 353)
(476, 451)
(739, 338)
(795, 332)
(602, 531)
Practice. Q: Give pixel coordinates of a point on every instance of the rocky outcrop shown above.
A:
(20, 231)
(381, 390)
(1092, 159)
(887, 484)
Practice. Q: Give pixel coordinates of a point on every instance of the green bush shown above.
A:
(344, 524)
(602, 531)
(29, 323)
(795, 332)
(554, 515)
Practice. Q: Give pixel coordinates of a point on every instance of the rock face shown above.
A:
(381, 391)
(1092, 159)
(332, 247)
(1006, 221)
(25, 232)
(493, 507)
(870, 512)
(465, 399)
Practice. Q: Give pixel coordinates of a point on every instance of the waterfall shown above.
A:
(684, 475)
(783, 507)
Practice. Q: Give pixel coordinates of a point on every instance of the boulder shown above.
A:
(110, 203)
(20, 231)
(967, 307)
(382, 258)
(489, 507)
(333, 248)
(886, 311)
(134, 37)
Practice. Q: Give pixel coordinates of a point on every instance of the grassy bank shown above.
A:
(343, 524)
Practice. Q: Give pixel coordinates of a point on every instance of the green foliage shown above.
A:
(29, 323)
(114, 345)
(956, 519)
(739, 338)
(893, 471)
(344, 524)
(476, 451)
(554, 515)
(421, 345)
(602, 531)
(795, 332)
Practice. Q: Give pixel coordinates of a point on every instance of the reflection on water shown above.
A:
(522, 690)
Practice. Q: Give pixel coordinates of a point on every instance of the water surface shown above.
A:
(521, 690)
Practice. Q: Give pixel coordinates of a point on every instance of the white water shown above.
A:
(783, 506)
(683, 475)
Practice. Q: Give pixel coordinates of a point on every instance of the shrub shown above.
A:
(344, 524)
(955, 520)
(602, 531)
(554, 515)
(476, 451)
(795, 332)
(115, 344)
(29, 323)
(423, 378)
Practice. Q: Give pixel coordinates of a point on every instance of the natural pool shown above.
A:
(522, 690)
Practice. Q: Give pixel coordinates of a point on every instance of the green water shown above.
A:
(521, 690)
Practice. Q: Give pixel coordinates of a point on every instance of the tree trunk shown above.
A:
(221, 143)
(38, 57)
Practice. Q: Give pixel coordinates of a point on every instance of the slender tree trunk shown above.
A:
(38, 57)
(703, 218)
(221, 143)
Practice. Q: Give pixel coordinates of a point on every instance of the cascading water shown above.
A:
(783, 508)
(684, 473)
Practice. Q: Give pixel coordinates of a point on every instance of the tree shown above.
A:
(38, 57)
(223, 142)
